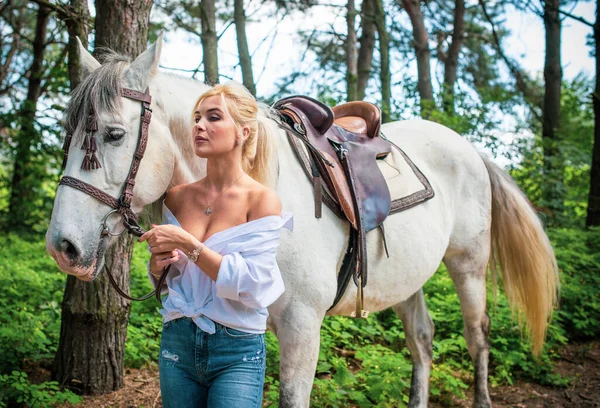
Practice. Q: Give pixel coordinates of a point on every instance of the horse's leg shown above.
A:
(418, 329)
(298, 331)
(468, 271)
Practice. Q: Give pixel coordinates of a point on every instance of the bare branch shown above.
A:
(515, 71)
(568, 14)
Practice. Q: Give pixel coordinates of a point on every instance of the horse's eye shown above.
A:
(113, 135)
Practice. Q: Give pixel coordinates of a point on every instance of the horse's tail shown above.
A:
(522, 251)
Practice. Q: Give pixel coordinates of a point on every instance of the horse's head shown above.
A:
(105, 126)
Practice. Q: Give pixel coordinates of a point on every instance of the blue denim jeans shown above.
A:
(221, 370)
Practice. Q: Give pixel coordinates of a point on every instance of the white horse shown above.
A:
(477, 217)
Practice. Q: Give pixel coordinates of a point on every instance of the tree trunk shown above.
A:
(122, 25)
(384, 51)
(77, 28)
(351, 54)
(593, 211)
(421, 44)
(94, 317)
(209, 42)
(553, 188)
(451, 62)
(93, 330)
(24, 181)
(242, 44)
(367, 44)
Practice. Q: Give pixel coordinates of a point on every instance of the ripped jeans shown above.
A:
(221, 370)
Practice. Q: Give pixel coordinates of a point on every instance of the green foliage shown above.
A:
(145, 323)
(569, 186)
(362, 362)
(578, 255)
(29, 302)
(16, 391)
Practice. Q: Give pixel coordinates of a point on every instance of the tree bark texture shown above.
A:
(122, 25)
(93, 330)
(94, 317)
(24, 181)
(209, 42)
(367, 44)
(77, 28)
(451, 62)
(351, 53)
(239, 16)
(384, 52)
(421, 44)
(553, 188)
(593, 211)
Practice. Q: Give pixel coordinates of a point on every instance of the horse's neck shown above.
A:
(175, 97)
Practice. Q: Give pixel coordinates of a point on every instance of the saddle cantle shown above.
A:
(344, 146)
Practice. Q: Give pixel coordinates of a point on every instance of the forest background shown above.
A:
(470, 65)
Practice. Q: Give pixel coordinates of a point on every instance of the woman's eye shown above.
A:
(114, 135)
(214, 118)
(196, 120)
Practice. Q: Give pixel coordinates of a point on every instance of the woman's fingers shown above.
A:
(160, 261)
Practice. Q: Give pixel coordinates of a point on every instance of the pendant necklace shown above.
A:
(208, 210)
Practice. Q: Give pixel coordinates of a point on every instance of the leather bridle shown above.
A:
(122, 205)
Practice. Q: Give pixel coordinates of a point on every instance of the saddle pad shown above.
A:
(407, 184)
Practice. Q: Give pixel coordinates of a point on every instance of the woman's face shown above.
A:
(214, 132)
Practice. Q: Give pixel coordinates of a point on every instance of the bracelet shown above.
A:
(193, 255)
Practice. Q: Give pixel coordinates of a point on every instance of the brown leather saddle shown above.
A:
(343, 144)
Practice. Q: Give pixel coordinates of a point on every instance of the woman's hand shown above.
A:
(167, 238)
(158, 262)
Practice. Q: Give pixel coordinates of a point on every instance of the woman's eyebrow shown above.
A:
(209, 111)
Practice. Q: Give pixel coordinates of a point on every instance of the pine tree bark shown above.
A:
(384, 52)
(239, 16)
(351, 53)
(122, 25)
(421, 45)
(94, 317)
(451, 63)
(23, 181)
(209, 42)
(593, 211)
(77, 28)
(553, 188)
(367, 45)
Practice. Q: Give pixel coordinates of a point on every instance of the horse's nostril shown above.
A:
(69, 249)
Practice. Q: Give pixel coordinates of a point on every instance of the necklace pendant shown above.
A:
(208, 211)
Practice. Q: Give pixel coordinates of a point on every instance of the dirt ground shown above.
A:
(580, 362)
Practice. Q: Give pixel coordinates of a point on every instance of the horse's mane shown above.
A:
(98, 92)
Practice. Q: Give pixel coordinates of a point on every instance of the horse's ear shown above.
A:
(146, 65)
(88, 63)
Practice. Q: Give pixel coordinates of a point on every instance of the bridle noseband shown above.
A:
(122, 205)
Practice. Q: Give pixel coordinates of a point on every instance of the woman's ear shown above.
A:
(245, 132)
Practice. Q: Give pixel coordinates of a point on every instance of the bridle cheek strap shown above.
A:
(123, 204)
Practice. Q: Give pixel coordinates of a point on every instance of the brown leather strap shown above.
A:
(155, 292)
(305, 161)
(146, 116)
(137, 95)
(90, 190)
(123, 204)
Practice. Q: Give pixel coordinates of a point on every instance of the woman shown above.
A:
(220, 238)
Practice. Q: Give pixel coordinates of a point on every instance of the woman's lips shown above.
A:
(200, 139)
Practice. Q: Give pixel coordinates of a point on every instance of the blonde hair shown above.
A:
(259, 148)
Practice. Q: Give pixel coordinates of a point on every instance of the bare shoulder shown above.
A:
(263, 202)
(175, 196)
